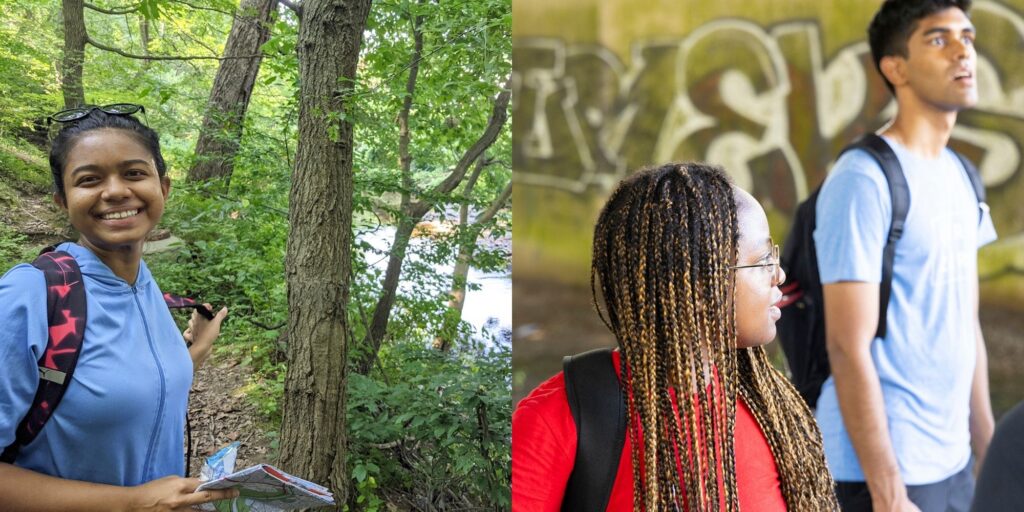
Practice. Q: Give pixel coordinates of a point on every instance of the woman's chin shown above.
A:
(112, 244)
(756, 341)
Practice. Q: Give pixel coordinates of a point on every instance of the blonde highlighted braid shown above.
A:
(664, 246)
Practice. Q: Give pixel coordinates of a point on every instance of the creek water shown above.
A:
(488, 308)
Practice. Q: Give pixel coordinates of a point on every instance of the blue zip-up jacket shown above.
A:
(121, 421)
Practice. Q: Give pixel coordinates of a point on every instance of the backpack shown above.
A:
(66, 317)
(801, 329)
(595, 399)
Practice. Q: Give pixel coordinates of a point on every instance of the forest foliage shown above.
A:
(429, 429)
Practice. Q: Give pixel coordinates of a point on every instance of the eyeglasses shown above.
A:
(74, 114)
(772, 265)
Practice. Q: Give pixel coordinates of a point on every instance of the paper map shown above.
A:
(265, 488)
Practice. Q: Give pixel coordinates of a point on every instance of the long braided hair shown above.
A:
(664, 245)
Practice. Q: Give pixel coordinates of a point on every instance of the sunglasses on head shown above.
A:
(115, 109)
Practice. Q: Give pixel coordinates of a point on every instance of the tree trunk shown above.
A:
(461, 271)
(460, 275)
(382, 312)
(144, 35)
(399, 246)
(225, 111)
(313, 430)
(74, 53)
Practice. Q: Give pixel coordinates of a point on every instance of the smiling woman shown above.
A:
(115, 442)
(114, 195)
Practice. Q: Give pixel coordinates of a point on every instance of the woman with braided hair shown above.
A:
(688, 276)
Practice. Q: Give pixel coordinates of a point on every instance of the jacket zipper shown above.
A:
(163, 390)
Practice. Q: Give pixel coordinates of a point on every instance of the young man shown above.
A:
(902, 414)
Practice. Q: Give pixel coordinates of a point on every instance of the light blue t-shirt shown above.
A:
(121, 421)
(926, 361)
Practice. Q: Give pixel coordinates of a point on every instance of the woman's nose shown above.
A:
(780, 276)
(116, 189)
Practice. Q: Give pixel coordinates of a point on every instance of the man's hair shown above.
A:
(97, 119)
(664, 248)
(896, 20)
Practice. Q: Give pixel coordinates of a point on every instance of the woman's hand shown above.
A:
(174, 493)
(201, 333)
(20, 492)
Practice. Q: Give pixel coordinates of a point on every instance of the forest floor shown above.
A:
(220, 414)
(36, 217)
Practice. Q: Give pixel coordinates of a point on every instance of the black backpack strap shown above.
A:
(975, 177)
(900, 194)
(66, 312)
(175, 302)
(599, 411)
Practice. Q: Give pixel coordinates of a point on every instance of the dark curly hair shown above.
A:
(896, 20)
(97, 119)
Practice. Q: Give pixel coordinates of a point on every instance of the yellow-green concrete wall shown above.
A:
(771, 90)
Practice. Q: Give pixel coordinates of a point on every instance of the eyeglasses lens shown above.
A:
(777, 267)
(71, 115)
(121, 108)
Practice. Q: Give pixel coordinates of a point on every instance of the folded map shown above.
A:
(265, 488)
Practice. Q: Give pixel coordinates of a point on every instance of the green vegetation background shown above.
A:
(428, 429)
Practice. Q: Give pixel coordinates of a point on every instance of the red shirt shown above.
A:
(544, 450)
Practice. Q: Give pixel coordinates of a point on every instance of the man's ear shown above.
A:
(165, 185)
(60, 201)
(894, 69)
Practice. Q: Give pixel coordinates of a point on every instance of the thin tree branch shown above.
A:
(471, 182)
(162, 57)
(201, 8)
(199, 42)
(128, 28)
(115, 11)
(499, 114)
(404, 137)
(496, 206)
(447, 44)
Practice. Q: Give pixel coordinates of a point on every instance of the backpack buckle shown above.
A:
(56, 376)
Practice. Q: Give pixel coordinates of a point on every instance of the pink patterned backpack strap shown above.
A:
(176, 302)
(66, 307)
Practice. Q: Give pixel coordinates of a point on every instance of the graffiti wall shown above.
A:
(769, 90)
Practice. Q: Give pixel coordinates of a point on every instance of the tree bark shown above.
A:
(144, 35)
(221, 132)
(370, 346)
(313, 430)
(144, 39)
(413, 212)
(74, 52)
